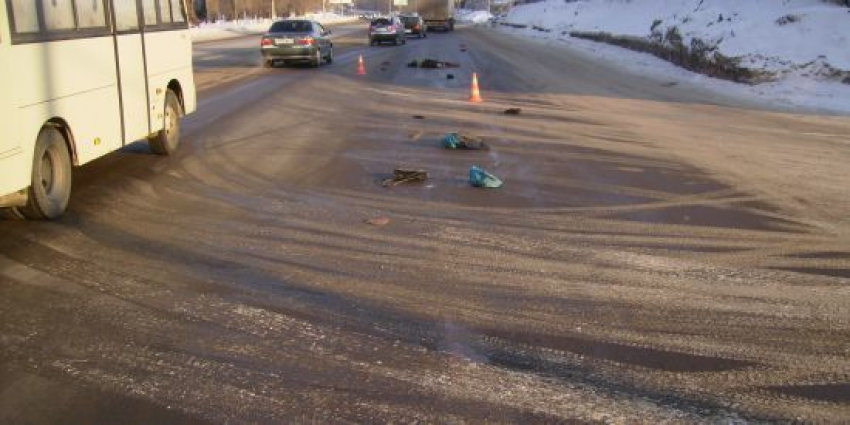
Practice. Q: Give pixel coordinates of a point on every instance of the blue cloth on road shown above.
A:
(451, 141)
(479, 177)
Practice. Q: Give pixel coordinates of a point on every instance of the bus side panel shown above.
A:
(169, 57)
(74, 81)
(14, 174)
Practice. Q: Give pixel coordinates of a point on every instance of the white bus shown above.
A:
(80, 79)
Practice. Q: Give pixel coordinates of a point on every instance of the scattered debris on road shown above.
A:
(401, 175)
(450, 76)
(418, 117)
(432, 64)
(464, 141)
(513, 111)
(670, 84)
(378, 221)
(478, 177)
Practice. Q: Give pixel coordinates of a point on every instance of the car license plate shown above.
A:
(283, 41)
(408, 31)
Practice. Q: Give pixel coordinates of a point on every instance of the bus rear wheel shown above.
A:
(50, 188)
(165, 142)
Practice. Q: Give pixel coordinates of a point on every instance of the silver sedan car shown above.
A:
(297, 40)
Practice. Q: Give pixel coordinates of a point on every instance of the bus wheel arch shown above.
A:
(175, 87)
(70, 143)
(50, 185)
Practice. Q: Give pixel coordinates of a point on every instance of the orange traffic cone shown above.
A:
(361, 69)
(475, 97)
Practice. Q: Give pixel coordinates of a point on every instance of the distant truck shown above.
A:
(436, 13)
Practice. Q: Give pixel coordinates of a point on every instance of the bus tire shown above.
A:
(50, 187)
(166, 140)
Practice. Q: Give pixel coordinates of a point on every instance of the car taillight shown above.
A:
(266, 42)
(416, 27)
(306, 41)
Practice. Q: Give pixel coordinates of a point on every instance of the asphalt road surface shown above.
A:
(656, 252)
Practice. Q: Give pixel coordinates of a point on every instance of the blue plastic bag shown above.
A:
(451, 141)
(478, 177)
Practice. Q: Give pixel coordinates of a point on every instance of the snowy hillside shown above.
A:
(777, 36)
(799, 48)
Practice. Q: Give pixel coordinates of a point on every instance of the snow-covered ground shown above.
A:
(472, 16)
(208, 31)
(805, 44)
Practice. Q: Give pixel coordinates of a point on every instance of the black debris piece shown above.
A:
(513, 111)
(432, 64)
(401, 175)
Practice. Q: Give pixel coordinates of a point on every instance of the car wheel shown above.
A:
(50, 187)
(330, 57)
(268, 63)
(404, 40)
(317, 60)
(165, 142)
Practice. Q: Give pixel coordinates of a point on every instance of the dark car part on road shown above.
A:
(478, 177)
(450, 76)
(401, 175)
(513, 111)
(432, 64)
(294, 40)
(387, 29)
(464, 141)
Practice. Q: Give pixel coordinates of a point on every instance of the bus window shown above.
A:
(26, 19)
(177, 11)
(164, 11)
(90, 14)
(149, 7)
(126, 15)
(58, 15)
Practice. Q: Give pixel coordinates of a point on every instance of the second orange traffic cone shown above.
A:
(475, 96)
(361, 69)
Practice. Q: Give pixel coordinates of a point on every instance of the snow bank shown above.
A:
(775, 36)
(473, 16)
(208, 31)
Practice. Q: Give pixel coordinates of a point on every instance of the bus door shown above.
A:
(132, 72)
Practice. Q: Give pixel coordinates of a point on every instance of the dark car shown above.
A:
(415, 25)
(386, 29)
(296, 40)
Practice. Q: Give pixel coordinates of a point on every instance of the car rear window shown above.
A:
(381, 21)
(291, 26)
(410, 19)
